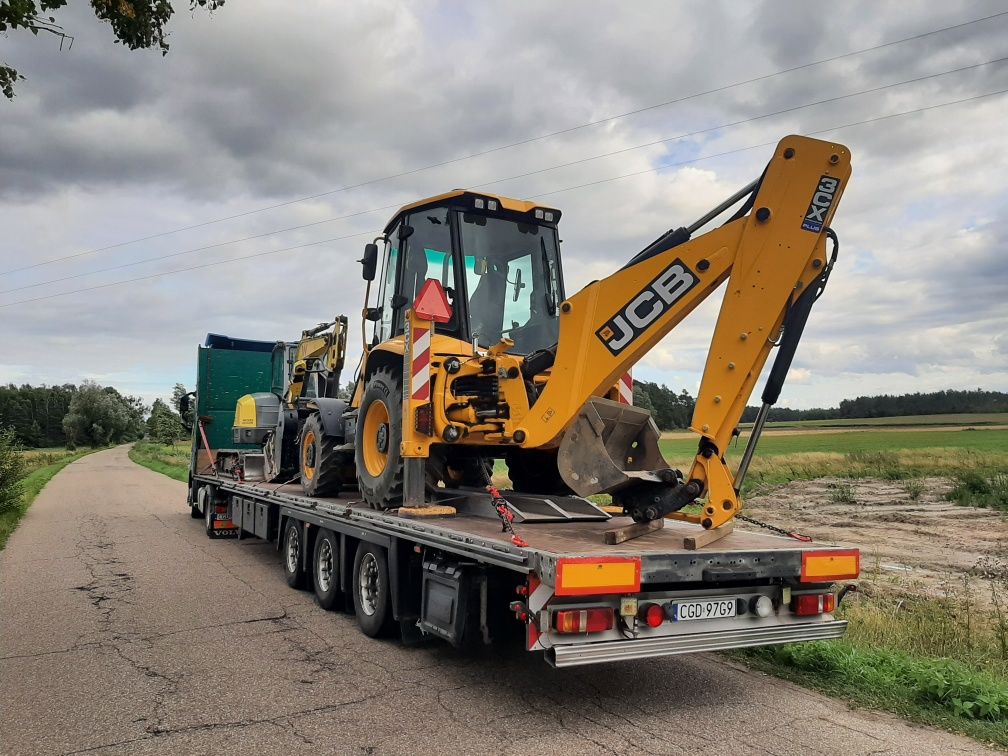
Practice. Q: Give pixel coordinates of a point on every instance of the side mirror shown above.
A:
(184, 404)
(369, 261)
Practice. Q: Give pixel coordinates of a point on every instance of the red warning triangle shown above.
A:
(432, 302)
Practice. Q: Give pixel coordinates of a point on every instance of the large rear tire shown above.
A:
(379, 434)
(321, 473)
(535, 471)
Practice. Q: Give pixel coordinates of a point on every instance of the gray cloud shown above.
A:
(262, 103)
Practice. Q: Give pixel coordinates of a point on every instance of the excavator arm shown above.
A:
(772, 254)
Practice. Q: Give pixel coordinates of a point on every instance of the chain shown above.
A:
(506, 516)
(775, 529)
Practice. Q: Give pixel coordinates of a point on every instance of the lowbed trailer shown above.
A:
(576, 599)
(564, 592)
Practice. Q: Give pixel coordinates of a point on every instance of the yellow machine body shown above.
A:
(767, 256)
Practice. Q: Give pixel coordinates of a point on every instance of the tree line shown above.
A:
(672, 410)
(86, 415)
(95, 415)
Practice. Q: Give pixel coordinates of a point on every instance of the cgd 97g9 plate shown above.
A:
(704, 609)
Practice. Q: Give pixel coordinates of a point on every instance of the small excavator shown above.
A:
(476, 353)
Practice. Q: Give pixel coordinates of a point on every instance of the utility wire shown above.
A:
(579, 161)
(499, 148)
(555, 191)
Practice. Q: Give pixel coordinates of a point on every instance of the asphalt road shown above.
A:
(123, 629)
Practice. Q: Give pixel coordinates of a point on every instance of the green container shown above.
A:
(226, 370)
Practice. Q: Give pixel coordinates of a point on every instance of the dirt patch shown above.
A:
(920, 545)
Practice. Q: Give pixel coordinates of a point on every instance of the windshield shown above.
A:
(512, 281)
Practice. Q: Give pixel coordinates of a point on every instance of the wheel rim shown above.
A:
(324, 567)
(367, 584)
(293, 550)
(308, 455)
(208, 512)
(376, 438)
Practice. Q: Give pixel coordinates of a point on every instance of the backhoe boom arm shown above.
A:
(767, 256)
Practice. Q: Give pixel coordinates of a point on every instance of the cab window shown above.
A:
(428, 255)
(384, 326)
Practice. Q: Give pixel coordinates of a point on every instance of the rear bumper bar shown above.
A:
(615, 651)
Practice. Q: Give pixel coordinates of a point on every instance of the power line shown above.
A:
(528, 140)
(579, 161)
(543, 194)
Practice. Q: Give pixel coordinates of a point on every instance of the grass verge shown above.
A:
(171, 460)
(933, 691)
(41, 466)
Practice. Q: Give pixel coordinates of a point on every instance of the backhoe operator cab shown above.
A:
(496, 258)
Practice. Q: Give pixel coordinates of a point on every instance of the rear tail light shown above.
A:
(583, 620)
(652, 614)
(810, 604)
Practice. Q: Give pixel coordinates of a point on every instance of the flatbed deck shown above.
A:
(741, 554)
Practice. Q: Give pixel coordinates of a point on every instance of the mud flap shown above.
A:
(611, 446)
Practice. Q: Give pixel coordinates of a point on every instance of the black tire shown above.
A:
(318, 461)
(194, 511)
(326, 569)
(533, 471)
(372, 600)
(455, 471)
(376, 447)
(291, 553)
(209, 510)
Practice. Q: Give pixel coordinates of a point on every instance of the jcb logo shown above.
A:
(822, 200)
(644, 309)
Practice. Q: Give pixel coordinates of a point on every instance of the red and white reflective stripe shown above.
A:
(420, 368)
(626, 388)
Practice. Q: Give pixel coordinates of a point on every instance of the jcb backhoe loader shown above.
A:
(471, 318)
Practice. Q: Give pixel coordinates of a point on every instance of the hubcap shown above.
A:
(293, 550)
(324, 569)
(368, 587)
(308, 455)
(376, 438)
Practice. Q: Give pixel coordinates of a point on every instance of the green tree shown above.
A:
(11, 471)
(138, 24)
(177, 393)
(100, 416)
(163, 425)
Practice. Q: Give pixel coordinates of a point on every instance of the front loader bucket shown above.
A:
(610, 446)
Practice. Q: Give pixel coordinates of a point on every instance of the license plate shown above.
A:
(701, 610)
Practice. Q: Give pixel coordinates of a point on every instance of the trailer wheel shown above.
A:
(325, 569)
(293, 543)
(372, 597)
(321, 473)
(209, 511)
(376, 447)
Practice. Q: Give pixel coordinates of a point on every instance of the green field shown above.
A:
(845, 442)
(976, 419)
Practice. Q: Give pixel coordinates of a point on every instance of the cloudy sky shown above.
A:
(109, 153)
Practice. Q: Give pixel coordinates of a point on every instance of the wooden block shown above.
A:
(634, 530)
(430, 510)
(612, 509)
(698, 541)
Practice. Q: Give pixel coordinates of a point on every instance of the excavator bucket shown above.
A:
(611, 446)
